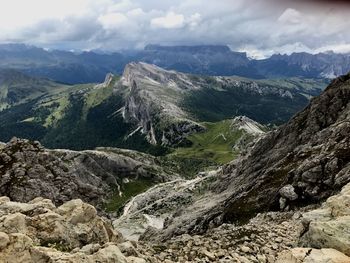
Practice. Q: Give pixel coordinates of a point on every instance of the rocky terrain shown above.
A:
(285, 199)
(28, 171)
(302, 162)
(40, 232)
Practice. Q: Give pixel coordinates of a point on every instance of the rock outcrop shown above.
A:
(29, 171)
(153, 102)
(329, 225)
(40, 232)
(310, 255)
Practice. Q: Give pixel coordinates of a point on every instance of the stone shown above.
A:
(128, 249)
(245, 249)
(208, 254)
(135, 260)
(283, 202)
(77, 212)
(288, 192)
(4, 240)
(310, 255)
(14, 223)
(326, 227)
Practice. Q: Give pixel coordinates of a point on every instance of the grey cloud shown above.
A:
(240, 24)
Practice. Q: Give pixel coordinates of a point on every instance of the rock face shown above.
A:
(167, 105)
(29, 171)
(329, 226)
(305, 161)
(153, 103)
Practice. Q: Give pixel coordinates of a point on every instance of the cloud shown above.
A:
(169, 21)
(259, 27)
(291, 16)
(112, 20)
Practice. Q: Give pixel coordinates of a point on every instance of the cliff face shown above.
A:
(302, 162)
(153, 102)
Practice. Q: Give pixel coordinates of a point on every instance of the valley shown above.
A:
(172, 159)
(184, 131)
(282, 195)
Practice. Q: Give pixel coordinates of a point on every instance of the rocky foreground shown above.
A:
(40, 232)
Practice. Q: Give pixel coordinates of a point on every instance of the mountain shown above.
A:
(204, 60)
(18, 88)
(61, 66)
(150, 109)
(302, 162)
(181, 101)
(215, 60)
(286, 199)
(324, 65)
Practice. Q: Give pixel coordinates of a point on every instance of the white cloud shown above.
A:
(169, 21)
(290, 16)
(112, 20)
(194, 20)
(260, 27)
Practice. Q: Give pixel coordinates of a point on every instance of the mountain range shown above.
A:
(86, 67)
(285, 199)
(148, 108)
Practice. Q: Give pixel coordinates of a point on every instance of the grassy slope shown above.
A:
(17, 88)
(214, 144)
(216, 102)
(209, 149)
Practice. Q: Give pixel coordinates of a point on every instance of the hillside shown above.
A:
(301, 163)
(18, 88)
(149, 109)
(270, 204)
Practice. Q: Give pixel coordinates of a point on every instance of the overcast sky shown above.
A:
(260, 27)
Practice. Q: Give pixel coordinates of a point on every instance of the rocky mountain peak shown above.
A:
(137, 72)
(248, 125)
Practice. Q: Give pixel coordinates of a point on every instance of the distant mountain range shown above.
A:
(86, 67)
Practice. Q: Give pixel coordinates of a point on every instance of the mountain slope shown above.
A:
(149, 108)
(61, 66)
(17, 88)
(302, 162)
(104, 177)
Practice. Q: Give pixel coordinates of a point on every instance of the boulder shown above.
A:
(310, 255)
(288, 192)
(328, 227)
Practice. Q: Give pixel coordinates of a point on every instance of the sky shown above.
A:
(258, 27)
